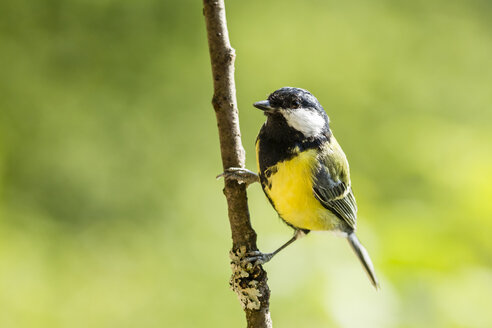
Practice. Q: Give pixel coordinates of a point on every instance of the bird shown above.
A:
(303, 172)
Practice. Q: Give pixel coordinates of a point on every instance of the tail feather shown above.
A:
(364, 258)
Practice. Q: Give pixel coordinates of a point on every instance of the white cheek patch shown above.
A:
(307, 121)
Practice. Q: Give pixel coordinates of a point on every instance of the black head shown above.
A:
(299, 108)
(292, 98)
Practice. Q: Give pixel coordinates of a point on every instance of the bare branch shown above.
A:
(250, 283)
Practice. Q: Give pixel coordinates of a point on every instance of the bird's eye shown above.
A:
(296, 103)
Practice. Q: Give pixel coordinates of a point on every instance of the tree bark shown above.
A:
(249, 282)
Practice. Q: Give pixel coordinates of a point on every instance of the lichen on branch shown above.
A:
(252, 290)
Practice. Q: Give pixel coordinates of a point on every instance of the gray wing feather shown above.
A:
(335, 196)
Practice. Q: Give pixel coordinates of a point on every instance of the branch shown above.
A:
(249, 282)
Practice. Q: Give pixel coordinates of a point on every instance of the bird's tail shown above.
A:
(364, 258)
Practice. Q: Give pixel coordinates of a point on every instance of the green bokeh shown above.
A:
(110, 215)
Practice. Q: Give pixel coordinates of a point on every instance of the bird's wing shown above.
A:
(331, 184)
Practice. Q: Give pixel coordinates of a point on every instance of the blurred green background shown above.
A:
(110, 214)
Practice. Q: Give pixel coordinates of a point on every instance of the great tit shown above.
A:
(304, 171)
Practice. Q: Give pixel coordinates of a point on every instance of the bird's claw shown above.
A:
(257, 258)
(240, 175)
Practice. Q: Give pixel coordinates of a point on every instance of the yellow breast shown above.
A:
(290, 187)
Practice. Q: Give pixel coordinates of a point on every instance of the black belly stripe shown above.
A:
(278, 142)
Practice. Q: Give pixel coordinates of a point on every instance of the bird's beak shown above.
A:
(264, 105)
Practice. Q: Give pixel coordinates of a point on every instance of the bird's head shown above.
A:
(299, 108)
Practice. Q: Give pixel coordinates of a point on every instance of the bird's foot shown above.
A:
(240, 175)
(257, 257)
